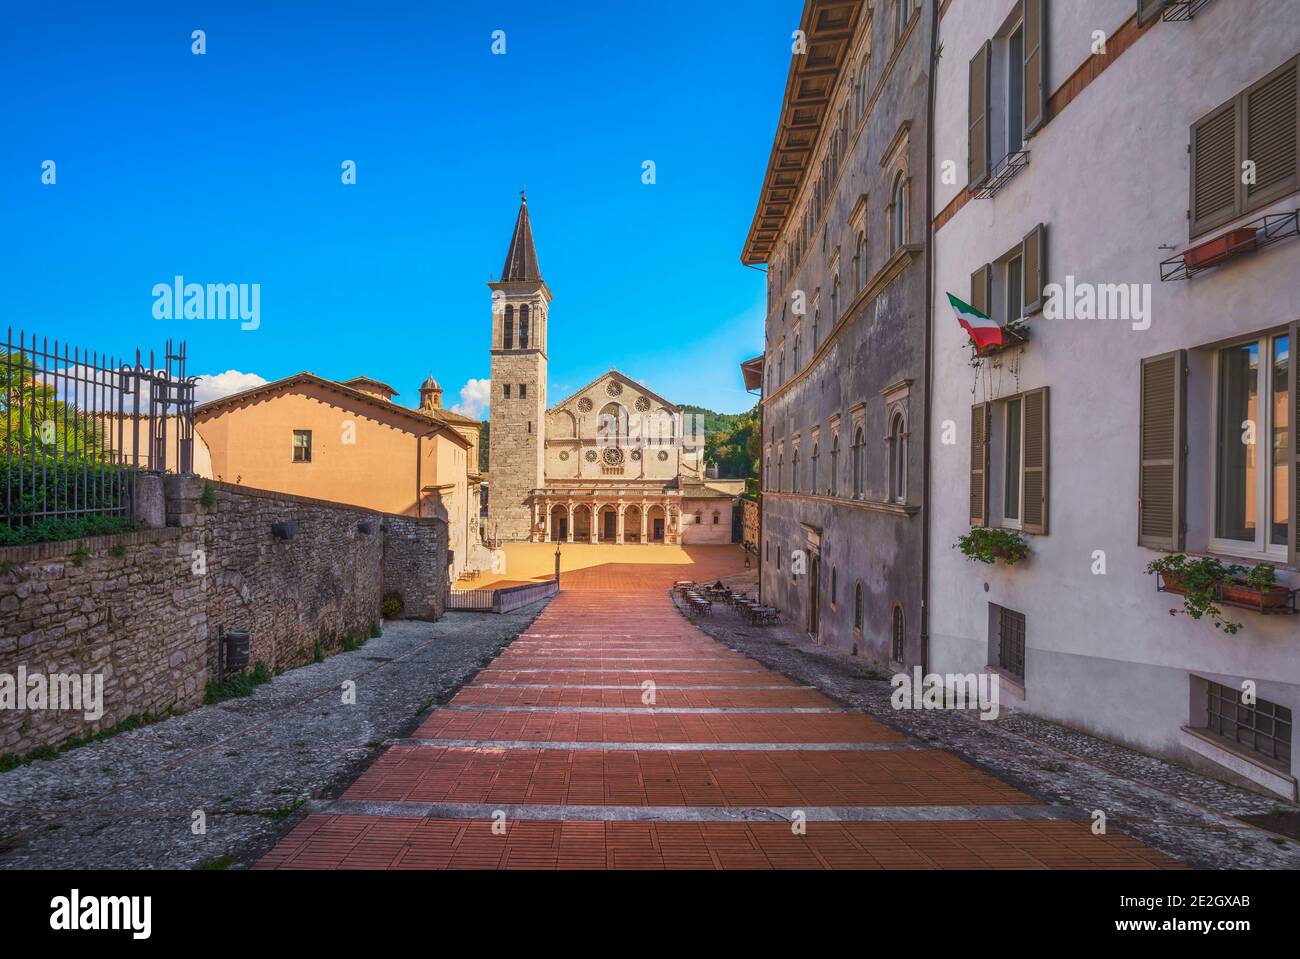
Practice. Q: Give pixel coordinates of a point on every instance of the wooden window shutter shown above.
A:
(1149, 10)
(977, 139)
(1035, 65)
(979, 464)
(981, 289)
(1269, 126)
(1293, 387)
(1215, 174)
(1033, 513)
(1033, 272)
(1162, 460)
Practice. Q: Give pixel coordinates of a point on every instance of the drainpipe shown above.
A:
(929, 345)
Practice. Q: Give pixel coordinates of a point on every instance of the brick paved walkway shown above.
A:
(734, 766)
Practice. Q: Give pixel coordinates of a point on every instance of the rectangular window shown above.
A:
(1261, 728)
(523, 391)
(1011, 641)
(1012, 474)
(302, 446)
(1259, 125)
(1252, 443)
(506, 388)
(1016, 90)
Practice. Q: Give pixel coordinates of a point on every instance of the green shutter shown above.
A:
(979, 464)
(1269, 126)
(981, 289)
(977, 139)
(1035, 65)
(1215, 173)
(1033, 269)
(1162, 453)
(1033, 464)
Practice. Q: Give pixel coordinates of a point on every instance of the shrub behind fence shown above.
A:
(77, 426)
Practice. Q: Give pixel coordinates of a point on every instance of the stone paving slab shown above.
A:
(658, 727)
(358, 842)
(692, 778)
(665, 698)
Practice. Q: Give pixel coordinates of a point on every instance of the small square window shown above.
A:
(302, 446)
(1009, 646)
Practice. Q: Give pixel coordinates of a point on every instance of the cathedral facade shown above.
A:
(612, 463)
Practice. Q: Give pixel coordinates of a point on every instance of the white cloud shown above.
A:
(474, 398)
(213, 386)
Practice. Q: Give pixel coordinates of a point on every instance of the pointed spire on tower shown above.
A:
(521, 258)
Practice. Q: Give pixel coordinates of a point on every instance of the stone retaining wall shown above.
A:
(143, 609)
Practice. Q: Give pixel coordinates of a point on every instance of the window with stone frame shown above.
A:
(302, 446)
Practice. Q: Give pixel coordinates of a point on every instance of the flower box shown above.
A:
(1212, 252)
(1171, 583)
(1275, 597)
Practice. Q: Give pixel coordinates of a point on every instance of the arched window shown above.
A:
(835, 300)
(794, 471)
(859, 464)
(899, 634)
(860, 94)
(857, 606)
(780, 472)
(767, 474)
(780, 368)
(898, 213)
(835, 465)
(898, 460)
(860, 264)
(778, 557)
(509, 342)
(834, 583)
(812, 479)
(523, 327)
(796, 353)
(611, 425)
(817, 317)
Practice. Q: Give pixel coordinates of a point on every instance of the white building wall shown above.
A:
(1109, 176)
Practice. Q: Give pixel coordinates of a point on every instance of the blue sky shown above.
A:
(225, 168)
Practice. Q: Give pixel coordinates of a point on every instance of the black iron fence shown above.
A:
(76, 426)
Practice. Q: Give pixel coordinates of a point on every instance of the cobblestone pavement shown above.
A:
(1190, 816)
(550, 758)
(248, 764)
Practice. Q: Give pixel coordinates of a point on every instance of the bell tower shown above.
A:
(516, 452)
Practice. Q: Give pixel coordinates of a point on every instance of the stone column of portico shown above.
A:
(569, 537)
(595, 522)
(619, 538)
(546, 522)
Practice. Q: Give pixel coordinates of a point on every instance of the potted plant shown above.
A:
(1200, 581)
(988, 545)
(1259, 587)
(391, 606)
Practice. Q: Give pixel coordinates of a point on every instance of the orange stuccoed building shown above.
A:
(350, 443)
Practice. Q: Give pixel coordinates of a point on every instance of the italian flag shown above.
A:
(984, 331)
